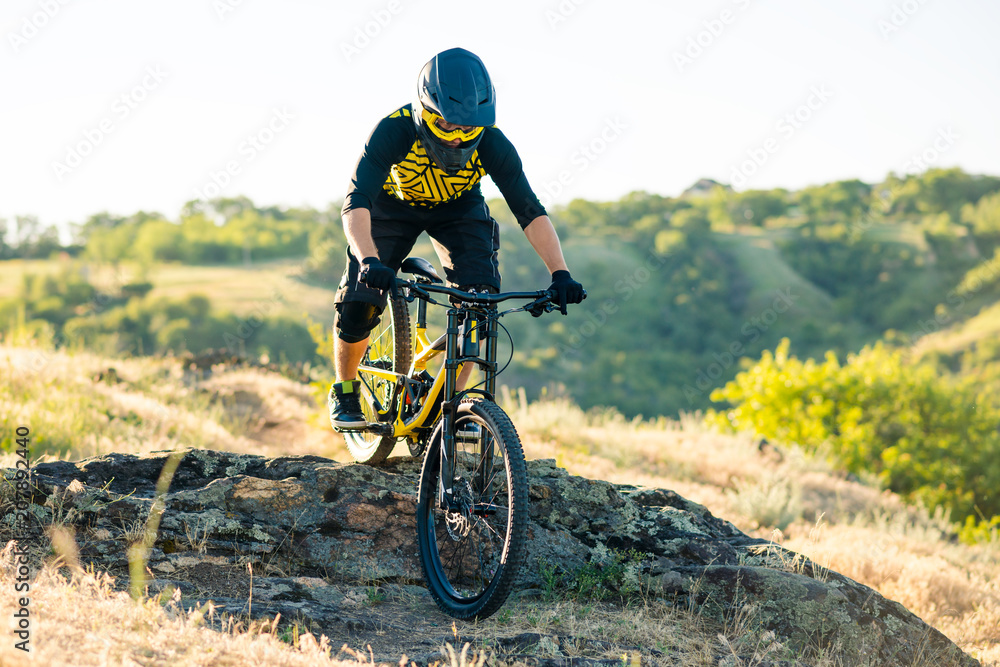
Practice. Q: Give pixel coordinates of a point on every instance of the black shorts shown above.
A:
(465, 237)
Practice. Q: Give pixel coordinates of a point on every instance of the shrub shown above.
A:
(928, 439)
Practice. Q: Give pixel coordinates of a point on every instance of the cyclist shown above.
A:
(420, 171)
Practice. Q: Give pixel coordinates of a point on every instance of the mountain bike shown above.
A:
(472, 502)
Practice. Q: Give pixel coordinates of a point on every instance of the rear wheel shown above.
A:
(388, 349)
(471, 554)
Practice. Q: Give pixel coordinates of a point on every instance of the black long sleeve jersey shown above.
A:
(395, 166)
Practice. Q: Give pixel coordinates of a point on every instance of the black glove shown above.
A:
(567, 289)
(377, 275)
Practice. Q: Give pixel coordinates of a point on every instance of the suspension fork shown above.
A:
(448, 409)
(485, 475)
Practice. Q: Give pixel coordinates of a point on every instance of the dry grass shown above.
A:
(955, 588)
(80, 619)
(83, 621)
(732, 473)
(851, 527)
(611, 630)
(76, 408)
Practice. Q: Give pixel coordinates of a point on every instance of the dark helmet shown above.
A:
(456, 88)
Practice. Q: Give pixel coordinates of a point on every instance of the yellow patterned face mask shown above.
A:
(463, 133)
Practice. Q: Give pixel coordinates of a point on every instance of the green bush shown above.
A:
(609, 573)
(924, 437)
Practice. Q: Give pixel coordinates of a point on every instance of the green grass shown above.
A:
(269, 287)
(12, 272)
(964, 335)
(272, 286)
(759, 259)
(899, 232)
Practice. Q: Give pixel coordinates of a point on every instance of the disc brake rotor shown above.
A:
(460, 523)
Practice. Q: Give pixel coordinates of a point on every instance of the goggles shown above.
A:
(431, 120)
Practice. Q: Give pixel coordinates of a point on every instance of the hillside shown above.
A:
(700, 283)
(685, 310)
(84, 408)
(968, 347)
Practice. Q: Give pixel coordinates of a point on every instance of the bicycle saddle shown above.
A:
(419, 266)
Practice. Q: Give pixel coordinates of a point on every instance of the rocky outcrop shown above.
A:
(318, 533)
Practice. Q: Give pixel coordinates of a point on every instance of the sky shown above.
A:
(128, 105)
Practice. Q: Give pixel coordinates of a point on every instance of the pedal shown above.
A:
(352, 429)
(378, 428)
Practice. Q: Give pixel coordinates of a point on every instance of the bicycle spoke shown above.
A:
(489, 527)
(473, 559)
(388, 349)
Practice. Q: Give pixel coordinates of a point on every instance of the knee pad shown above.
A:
(354, 320)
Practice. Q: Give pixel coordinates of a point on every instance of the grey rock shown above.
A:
(311, 521)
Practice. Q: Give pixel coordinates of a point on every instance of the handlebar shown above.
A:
(543, 299)
(479, 298)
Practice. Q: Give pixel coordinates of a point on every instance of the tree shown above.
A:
(5, 250)
(228, 208)
(34, 239)
(938, 191)
(984, 215)
(98, 222)
(752, 207)
(158, 241)
(111, 244)
(839, 201)
(756, 206)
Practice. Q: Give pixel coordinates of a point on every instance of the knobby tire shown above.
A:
(471, 558)
(388, 348)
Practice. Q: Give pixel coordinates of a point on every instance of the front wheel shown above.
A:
(472, 552)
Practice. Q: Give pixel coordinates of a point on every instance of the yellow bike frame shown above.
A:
(423, 351)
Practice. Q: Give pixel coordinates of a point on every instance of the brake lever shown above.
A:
(540, 305)
(407, 290)
(545, 304)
